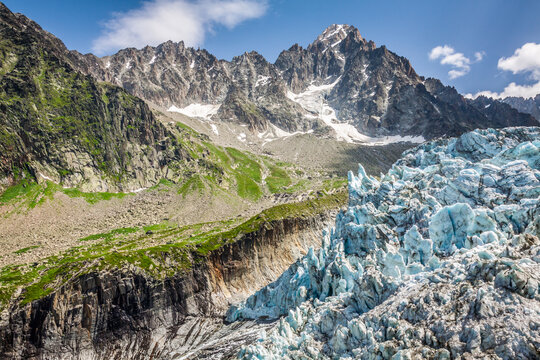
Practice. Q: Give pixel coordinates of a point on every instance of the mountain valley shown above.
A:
(161, 203)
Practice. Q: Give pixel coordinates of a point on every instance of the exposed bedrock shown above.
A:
(127, 314)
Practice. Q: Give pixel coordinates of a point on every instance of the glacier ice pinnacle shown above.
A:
(438, 258)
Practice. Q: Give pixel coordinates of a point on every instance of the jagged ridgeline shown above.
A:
(529, 106)
(56, 123)
(341, 85)
(60, 125)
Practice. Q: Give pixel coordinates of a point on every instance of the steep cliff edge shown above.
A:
(61, 125)
(127, 313)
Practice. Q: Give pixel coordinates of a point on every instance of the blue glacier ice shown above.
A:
(438, 258)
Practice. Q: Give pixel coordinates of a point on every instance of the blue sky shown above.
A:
(492, 28)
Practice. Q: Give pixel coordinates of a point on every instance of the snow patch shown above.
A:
(336, 43)
(262, 80)
(241, 137)
(45, 177)
(214, 129)
(204, 111)
(313, 100)
(328, 35)
(153, 60)
(275, 133)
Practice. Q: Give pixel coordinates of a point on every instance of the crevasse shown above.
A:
(454, 222)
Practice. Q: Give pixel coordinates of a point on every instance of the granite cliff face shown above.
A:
(247, 89)
(58, 124)
(341, 82)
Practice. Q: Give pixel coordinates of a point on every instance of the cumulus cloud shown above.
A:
(512, 89)
(157, 21)
(458, 61)
(526, 59)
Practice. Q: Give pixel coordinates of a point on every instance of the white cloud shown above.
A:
(526, 59)
(440, 51)
(512, 89)
(454, 74)
(157, 21)
(479, 55)
(448, 56)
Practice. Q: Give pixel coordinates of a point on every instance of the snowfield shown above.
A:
(197, 110)
(440, 258)
(313, 100)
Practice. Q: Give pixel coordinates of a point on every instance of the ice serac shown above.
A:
(439, 258)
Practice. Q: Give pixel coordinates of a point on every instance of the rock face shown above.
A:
(247, 89)
(126, 314)
(340, 82)
(58, 124)
(499, 112)
(439, 259)
(528, 106)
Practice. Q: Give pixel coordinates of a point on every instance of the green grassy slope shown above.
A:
(160, 250)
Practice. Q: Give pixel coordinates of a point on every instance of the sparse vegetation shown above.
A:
(177, 249)
(26, 249)
(28, 194)
(278, 180)
(110, 235)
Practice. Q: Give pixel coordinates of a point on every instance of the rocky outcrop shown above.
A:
(124, 313)
(438, 259)
(528, 106)
(248, 89)
(500, 113)
(58, 124)
(379, 92)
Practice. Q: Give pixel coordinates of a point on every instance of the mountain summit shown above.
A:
(341, 82)
(336, 33)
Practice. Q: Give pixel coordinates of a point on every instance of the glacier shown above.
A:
(439, 258)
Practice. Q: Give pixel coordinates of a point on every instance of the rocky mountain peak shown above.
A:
(529, 106)
(371, 90)
(336, 33)
(339, 38)
(251, 56)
